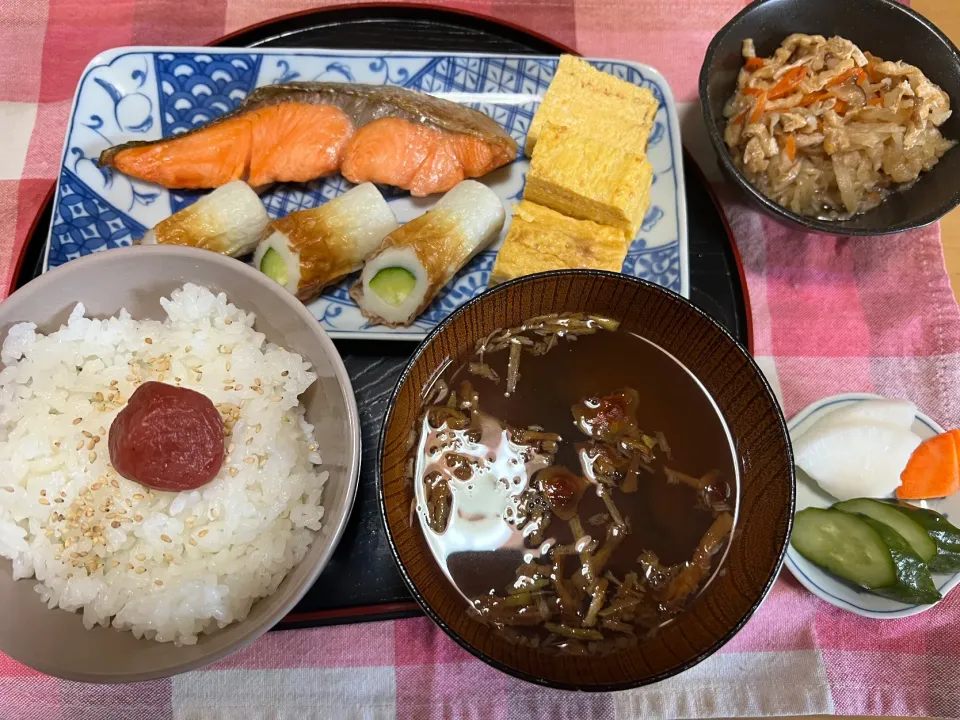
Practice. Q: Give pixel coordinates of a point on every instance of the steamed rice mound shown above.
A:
(164, 565)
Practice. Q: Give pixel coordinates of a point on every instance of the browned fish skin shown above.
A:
(362, 104)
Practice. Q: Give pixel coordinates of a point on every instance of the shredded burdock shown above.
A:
(828, 131)
(537, 336)
(571, 593)
(579, 591)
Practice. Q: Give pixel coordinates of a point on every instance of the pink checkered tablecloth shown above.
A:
(830, 315)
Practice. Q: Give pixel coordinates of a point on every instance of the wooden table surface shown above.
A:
(946, 15)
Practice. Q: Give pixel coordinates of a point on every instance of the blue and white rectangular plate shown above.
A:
(146, 93)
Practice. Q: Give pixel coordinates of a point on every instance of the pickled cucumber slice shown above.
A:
(944, 535)
(865, 552)
(844, 545)
(914, 584)
(911, 531)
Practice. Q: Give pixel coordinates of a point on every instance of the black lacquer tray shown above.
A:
(361, 582)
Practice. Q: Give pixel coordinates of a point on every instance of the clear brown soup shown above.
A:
(579, 489)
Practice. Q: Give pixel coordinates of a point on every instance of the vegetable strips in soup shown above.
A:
(575, 482)
(828, 131)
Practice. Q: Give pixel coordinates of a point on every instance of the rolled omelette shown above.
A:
(310, 249)
(230, 220)
(402, 277)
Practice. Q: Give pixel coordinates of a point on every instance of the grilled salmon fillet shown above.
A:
(417, 157)
(301, 131)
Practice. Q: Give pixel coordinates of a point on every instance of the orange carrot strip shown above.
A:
(791, 147)
(752, 91)
(753, 64)
(932, 471)
(758, 108)
(741, 117)
(862, 77)
(788, 83)
(875, 102)
(842, 78)
(811, 98)
(841, 107)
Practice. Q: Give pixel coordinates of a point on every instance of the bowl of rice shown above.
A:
(103, 579)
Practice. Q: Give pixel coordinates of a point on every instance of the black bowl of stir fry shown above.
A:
(585, 480)
(836, 116)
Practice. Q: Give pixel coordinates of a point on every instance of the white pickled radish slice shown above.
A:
(896, 413)
(855, 460)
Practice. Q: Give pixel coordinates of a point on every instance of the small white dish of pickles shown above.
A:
(863, 546)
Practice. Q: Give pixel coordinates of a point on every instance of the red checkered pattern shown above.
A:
(830, 315)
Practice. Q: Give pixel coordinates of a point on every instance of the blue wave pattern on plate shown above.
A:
(83, 223)
(195, 89)
(192, 88)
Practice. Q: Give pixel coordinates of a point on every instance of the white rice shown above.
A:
(164, 565)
